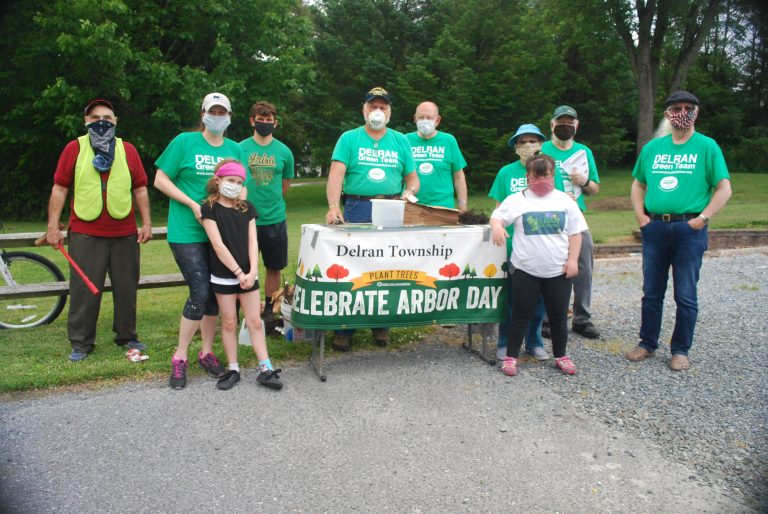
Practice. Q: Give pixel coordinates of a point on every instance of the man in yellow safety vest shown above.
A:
(107, 179)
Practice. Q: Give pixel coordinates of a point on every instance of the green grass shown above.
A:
(37, 358)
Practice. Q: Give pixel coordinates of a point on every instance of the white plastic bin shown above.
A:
(387, 213)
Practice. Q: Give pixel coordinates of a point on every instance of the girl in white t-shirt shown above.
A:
(545, 251)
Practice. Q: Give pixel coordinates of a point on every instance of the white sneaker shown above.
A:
(538, 353)
(501, 352)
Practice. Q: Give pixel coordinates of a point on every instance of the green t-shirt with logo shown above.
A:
(436, 159)
(509, 180)
(374, 167)
(562, 180)
(188, 161)
(680, 178)
(268, 165)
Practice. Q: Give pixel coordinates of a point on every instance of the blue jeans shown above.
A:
(678, 245)
(356, 211)
(533, 337)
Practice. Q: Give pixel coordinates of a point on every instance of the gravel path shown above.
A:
(430, 429)
(713, 417)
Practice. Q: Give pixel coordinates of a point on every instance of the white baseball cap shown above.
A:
(212, 99)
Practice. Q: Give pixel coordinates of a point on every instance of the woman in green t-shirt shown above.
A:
(183, 170)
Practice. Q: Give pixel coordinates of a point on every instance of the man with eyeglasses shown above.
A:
(579, 180)
(438, 159)
(107, 180)
(681, 182)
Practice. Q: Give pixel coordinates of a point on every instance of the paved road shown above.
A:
(428, 430)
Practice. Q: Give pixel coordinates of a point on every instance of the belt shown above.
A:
(666, 218)
(376, 197)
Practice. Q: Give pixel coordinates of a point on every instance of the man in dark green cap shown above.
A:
(576, 173)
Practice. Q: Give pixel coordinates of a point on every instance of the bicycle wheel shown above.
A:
(29, 268)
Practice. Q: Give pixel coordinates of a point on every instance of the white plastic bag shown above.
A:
(244, 338)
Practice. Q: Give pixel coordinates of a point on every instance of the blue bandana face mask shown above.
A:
(102, 136)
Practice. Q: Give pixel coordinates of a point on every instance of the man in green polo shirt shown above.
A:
(439, 161)
(371, 161)
(681, 182)
(579, 179)
(271, 166)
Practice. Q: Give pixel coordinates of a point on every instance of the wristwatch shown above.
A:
(705, 219)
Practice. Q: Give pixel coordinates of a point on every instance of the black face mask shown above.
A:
(263, 128)
(564, 132)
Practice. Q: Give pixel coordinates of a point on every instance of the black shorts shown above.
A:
(273, 244)
(233, 289)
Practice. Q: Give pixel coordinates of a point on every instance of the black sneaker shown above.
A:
(229, 380)
(178, 378)
(270, 379)
(545, 332)
(587, 330)
(210, 363)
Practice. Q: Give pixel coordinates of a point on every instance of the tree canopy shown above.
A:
(489, 65)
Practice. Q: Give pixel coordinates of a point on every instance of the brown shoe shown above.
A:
(341, 342)
(679, 363)
(638, 354)
(381, 336)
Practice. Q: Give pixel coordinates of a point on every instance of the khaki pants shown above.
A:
(97, 256)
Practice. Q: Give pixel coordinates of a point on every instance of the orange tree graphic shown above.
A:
(490, 270)
(450, 271)
(336, 272)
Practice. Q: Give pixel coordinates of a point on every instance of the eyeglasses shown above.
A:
(681, 108)
(527, 141)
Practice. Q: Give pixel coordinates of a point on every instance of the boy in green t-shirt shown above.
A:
(271, 167)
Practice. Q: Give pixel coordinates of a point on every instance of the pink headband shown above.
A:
(231, 169)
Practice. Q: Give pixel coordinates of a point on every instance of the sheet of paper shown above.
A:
(576, 163)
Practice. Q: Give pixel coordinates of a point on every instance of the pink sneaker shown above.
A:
(566, 365)
(509, 366)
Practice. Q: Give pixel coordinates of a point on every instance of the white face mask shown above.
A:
(425, 127)
(230, 189)
(216, 125)
(377, 120)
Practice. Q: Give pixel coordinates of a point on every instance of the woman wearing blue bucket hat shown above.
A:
(526, 141)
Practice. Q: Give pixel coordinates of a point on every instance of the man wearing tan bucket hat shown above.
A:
(371, 161)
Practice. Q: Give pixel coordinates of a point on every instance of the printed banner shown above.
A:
(359, 276)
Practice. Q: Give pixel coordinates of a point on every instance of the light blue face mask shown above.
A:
(216, 124)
